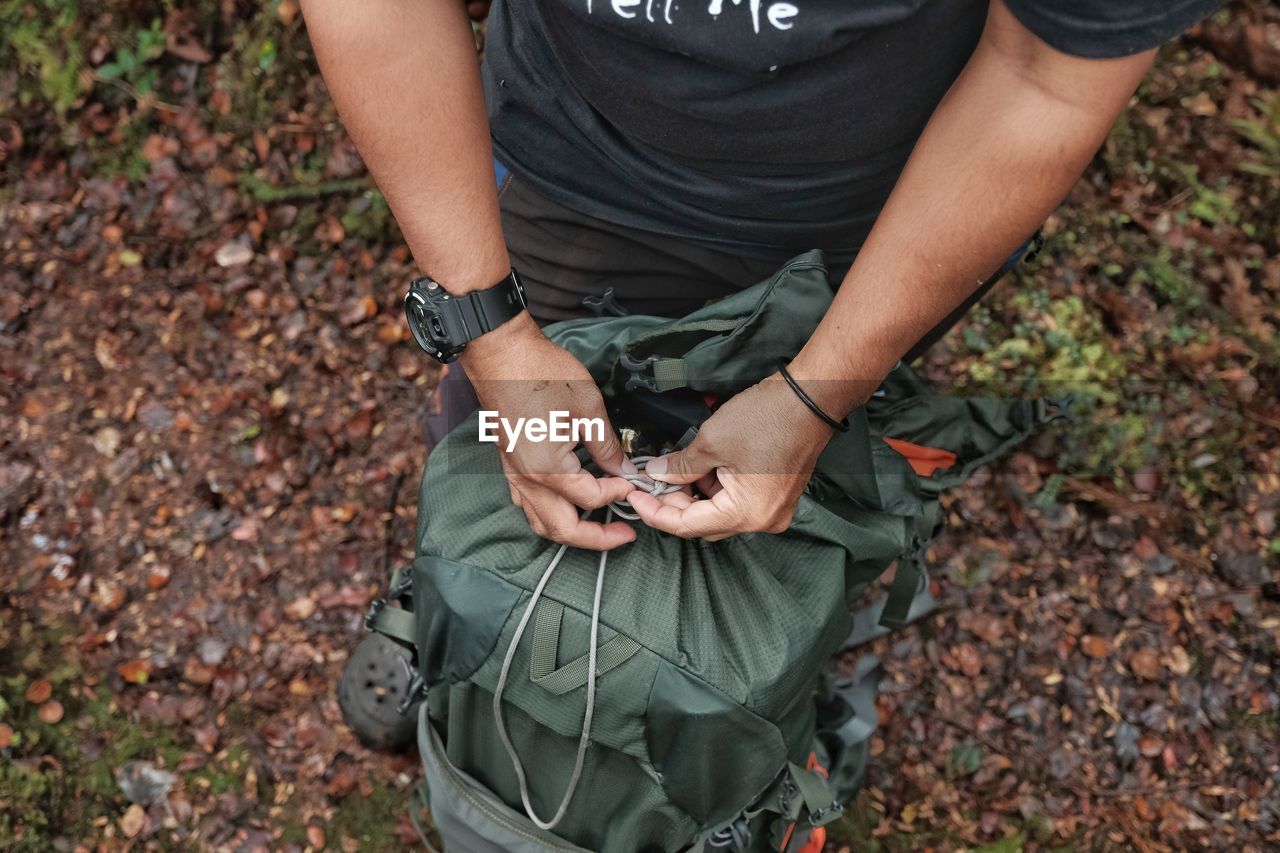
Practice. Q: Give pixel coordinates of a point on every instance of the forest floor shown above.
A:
(210, 438)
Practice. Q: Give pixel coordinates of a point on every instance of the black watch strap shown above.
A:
(482, 311)
(443, 325)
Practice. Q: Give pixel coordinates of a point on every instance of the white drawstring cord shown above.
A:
(616, 508)
(643, 483)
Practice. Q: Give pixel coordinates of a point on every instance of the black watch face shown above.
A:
(427, 322)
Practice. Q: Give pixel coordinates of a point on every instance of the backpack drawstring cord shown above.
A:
(644, 483)
(622, 510)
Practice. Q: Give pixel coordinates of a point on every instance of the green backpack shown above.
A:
(714, 720)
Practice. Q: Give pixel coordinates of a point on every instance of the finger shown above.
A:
(709, 485)
(607, 451)
(697, 520)
(679, 500)
(683, 466)
(599, 537)
(559, 521)
(564, 475)
(586, 491)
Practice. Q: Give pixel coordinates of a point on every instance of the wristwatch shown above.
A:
(443, 325)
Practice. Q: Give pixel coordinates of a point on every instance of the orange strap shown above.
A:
(924, 460)
(817, 840)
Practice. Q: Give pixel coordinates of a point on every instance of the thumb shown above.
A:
(681, 467)
(607, 452)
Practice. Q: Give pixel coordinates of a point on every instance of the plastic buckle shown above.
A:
(786, 797)
(637, 380)
(411, 693)
(735, 836)
(606, 305)
(1050, 409)
(397, 591)
(823, 815)
(371, 615)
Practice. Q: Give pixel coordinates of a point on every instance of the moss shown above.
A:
(54, 787)
(371, 821)
(227, 771)
(39, 38)
(124, 158)
(856, 826)
(369, 218)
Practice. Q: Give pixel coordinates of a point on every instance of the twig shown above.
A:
(144, 100)
(262, 191)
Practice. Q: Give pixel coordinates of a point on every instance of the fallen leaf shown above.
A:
(1145, 663)
(50, 712)
(135, 671)
(300, 609)
(196, 671)
(158, 147)
(6, 736)
(132, 821)
(158, 577)
(39, 691)
(1178, 661)
(969, 659)
(1095, 646)
(110, 597)
(360, 425)
(233, 254)
(357, 310)
(246, 530)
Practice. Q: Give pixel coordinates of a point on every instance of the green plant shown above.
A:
(1263, 134)
(133, 65)
(38, 39)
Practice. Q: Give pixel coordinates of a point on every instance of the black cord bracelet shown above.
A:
(841, 425)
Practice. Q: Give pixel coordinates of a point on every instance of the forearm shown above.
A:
(1006, 144)
(406, 80)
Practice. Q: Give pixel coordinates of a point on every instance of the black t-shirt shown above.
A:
(763, 127)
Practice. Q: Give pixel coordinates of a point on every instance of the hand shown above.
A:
(753, 457)
(519, 373)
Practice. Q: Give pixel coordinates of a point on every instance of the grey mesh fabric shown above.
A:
(719, 724)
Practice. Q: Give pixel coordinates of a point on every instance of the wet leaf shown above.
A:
(132, 821)
(1145, 663)
(50, 712)
(39, 691)
(1095, 646)
(135, 671)
(965, 759)
(233, 254)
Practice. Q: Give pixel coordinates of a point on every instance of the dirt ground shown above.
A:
(210, 440)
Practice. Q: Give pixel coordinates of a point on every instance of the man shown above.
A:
(679, 149)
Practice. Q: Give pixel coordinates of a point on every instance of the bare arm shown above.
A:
(405, 77)
(1000, 152)
(1005, 145)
